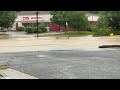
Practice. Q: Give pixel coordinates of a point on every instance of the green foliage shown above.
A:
(35, 30)
(7, 18)
(101, 31)
(75, 19)
(29, 30)
(60, 17)
(42, 27)
(69, 34)
(21, 28)
(103, 20)
(4, 67)
(109, 19)
(93, 12)
(78, 20)
(116, 32)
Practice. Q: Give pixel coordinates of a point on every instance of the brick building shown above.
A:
(28, 19)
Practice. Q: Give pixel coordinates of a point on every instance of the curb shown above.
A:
(13, 74)
(108, 46)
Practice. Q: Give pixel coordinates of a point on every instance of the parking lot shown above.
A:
(69, 64)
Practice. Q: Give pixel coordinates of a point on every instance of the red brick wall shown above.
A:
(53, 26)
(92, 22)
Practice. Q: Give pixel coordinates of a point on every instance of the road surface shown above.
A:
(68, 64)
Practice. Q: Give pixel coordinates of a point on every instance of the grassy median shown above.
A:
(69, 34)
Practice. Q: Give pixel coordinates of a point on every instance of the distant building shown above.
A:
(28, 19)
(92, 18)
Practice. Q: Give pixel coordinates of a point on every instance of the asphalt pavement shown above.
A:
(66, 64)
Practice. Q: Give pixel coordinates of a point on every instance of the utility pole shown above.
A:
(37, 23)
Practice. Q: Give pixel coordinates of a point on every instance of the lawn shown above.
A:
(69, 34)
(3, 67)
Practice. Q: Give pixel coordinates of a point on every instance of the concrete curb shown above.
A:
(108, 46)
(13, 74)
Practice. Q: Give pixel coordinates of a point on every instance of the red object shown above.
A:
(57, 28)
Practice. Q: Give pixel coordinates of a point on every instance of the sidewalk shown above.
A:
(13, 74)
(87, 43)
(51, 43)
(15, 34)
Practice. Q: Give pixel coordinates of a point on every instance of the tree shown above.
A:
(109, 19)
(7, 18)
(60, 17)
(78, 20)
(93, 12)
(75, 19)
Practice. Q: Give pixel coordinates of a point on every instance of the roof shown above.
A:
(33, 12)
(90, 14)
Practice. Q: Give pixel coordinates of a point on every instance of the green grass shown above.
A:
(69, 34)
(3, 67)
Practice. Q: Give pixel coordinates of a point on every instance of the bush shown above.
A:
(35, 30)
(116, 32)
(43, 30)
(42, 27)
(29, 30)
(101, 31)
(21, 28)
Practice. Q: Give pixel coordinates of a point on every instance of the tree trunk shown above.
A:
(78, 30)
(65, 30)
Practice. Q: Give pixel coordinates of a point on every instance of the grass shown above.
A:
(69, 34)
(3, 67)
(1, 75)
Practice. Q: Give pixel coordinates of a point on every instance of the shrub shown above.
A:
(21, 28)
(116, 32)
(42, 27)
(101, 31)
(43, 30)
(29, 30)
(35, 30)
